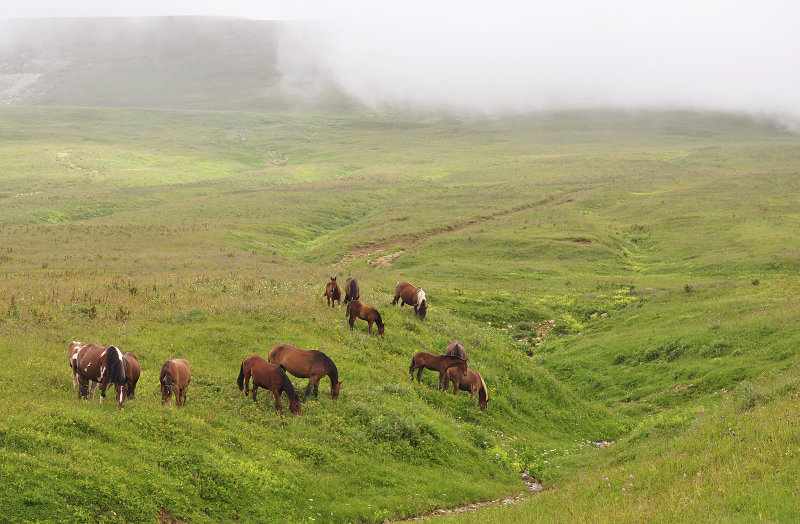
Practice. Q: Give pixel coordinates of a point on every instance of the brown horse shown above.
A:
(310, 364)
(351, 292)
(410, 294)
(454, 348)
(332, 292)
(473, 382)
(440, 363)
(132, 372)
(364, 312)
(103, 365)
(268, 376)
(175, 374)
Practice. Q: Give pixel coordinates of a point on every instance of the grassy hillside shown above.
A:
(615, 277)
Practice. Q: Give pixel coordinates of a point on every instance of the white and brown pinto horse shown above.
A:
(102, 365)
(410, 294)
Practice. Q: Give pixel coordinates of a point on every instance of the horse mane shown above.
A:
(378, 318)
(355, 293)
(333, 371)
(483, 392)
(288, 387)
(115, 365)
(420, 297)
(164, 373)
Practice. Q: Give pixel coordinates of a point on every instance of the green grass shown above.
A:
(656, 251)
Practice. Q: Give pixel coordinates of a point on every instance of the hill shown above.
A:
(616, 277)
(171, 62)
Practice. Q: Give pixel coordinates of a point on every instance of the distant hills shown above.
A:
(171, 62)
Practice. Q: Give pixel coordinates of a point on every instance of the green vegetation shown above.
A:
(625, 277)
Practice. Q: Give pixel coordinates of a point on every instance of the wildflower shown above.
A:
(631, 475)
(698, 473)
(623, 489)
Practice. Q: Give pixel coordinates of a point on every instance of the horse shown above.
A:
(364, 312)
(410, 294)
(103, 365)
(175, 374)
(440, 363)
(351, 292)
(332, 293)
(310, 364)
(268, 376)
(133, 371)
(454, 348)
(72, 350)
(473, 382)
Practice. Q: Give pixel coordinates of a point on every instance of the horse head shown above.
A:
(295, 406)
(335, 387)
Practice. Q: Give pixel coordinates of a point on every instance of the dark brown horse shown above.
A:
(364, 312)
(332, 293)
(310, 364)
(410, 294)
(440, 363)
(133, 369)
(103, 365)
(175, 375)
(473, 382)
(351, 292)
(268, 376)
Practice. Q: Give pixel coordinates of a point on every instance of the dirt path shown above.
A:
(534, 486)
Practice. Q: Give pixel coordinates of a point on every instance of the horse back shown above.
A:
(88, 360)
(134, 368)
(456, 349)
(181, 372)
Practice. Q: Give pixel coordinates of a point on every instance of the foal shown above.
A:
(332, 292)
(268, 376)
(175, 374)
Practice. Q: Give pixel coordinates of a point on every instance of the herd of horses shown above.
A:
(96, 364)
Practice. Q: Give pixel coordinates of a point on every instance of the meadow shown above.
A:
(616, 277)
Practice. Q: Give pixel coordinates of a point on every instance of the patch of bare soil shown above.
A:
(385, 260)
(534, 486)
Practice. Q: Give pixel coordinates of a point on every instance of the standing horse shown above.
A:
(351, 292)
(473, 382)
(364, 312)
(332, 293)
(268, 376)
(440, 363)
(133, 370)
(175, 374)
(103, 365)
(454, 348)
(310, 364)
(410, 294)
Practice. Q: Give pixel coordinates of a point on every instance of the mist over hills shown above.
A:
(170, 62)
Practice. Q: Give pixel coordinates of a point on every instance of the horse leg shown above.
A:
(103, 386)
(94, 386)
(456, 385)
(83, 387)
(247, 383)
(419, 374)
(352, 321)
(255, 390)
(316, 388)
(308, 389)
(278, 405)
(370, 326)
(394, 302)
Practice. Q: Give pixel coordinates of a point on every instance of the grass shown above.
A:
(611, 274)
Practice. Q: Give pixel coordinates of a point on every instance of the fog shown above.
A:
(495, 57)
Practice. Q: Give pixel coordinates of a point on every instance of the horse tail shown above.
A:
(240, 379)
(355, 292)
(114, 365)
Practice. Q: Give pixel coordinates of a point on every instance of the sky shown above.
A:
(499, 56)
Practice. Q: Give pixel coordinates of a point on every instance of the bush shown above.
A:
(747, 395)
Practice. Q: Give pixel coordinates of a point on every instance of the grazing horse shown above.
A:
(454, 348)
(364, 312)
(410, 294)
(103, 365)
(72, 350)
(310, 364)
(440, 363)
(332, 293)
(175, 374)
(133, 370)
(268, 376)
(473, 382)
(351, 292)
